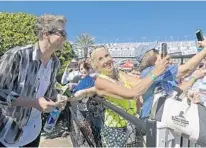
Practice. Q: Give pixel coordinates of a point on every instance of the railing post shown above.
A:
(151, 133)
(161, 137)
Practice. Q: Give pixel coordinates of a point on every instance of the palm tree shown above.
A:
(83, 42)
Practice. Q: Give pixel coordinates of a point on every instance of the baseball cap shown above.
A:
(142, 49)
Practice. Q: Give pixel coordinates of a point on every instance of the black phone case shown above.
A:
(164, 50)
(199, 35)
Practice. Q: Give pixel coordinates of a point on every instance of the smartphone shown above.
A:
(164, 50)
(199, 35)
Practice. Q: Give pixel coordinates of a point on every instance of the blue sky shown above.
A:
(122, 21)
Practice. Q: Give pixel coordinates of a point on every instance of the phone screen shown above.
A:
(199, 35)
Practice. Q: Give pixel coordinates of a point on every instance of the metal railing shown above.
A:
(88, 133)
(168, 138)
(138, 133)
(182, 58)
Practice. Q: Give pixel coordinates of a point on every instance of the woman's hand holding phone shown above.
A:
(163, 50)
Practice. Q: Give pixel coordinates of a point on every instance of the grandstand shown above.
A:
(125, 51)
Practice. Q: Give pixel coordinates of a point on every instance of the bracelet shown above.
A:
(194, 78)
(152, 76)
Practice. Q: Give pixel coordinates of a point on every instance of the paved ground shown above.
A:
(58, 138)
(56, 142)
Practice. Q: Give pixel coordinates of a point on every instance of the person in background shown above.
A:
(197, 75)
(27, 84)
(135, 72)
(147, 56)
(71, 73)
(83, 115)
(194, 82)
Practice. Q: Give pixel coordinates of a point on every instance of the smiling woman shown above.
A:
(102, 60)
(115, 125)
(120, 89)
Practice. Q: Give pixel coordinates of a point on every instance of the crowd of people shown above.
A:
(134, 91)
(28, 77)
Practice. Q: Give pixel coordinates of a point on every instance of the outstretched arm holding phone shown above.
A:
(189, 66)
(198, 74)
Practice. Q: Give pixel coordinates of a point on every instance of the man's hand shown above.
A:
(44, 105)
(61, 101)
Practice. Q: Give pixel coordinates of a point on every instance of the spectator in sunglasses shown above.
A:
(147, 57)
(71, 74)
(27, 84)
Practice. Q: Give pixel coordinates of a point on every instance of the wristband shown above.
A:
(152, 76)
(194, 78)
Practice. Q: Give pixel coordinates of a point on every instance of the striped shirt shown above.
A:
(18, 77)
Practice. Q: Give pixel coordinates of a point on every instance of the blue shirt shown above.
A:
(167, 80)
(85, 83)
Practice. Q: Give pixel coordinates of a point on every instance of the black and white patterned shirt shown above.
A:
(18, 77)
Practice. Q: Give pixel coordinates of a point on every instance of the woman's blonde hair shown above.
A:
(93, 50)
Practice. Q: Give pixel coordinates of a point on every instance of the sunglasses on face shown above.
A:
(73, 65)
(59, 32)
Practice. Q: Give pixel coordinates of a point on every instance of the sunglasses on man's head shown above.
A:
(59, 32)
